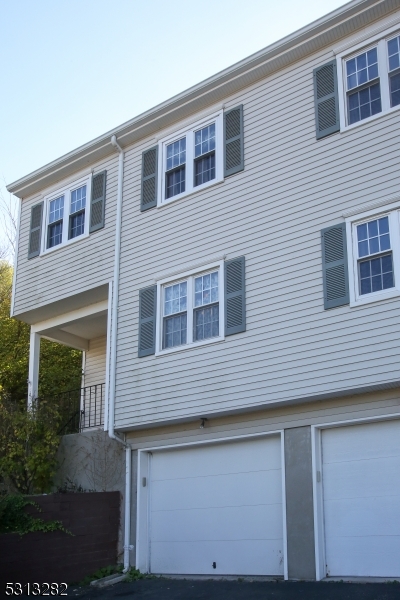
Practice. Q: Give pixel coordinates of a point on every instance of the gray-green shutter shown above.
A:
(98, 201)
(233, 141)
(35, 230)
(326, 100)
(334, 266)
(148, 197)
(235, 299)
(147, 321)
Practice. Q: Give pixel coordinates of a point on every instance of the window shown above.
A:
(191, 309)
(371, 80)
(191, 159)
(374, 260)
(66, 215)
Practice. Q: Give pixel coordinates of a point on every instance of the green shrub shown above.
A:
(14, 518)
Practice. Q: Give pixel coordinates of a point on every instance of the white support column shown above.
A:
(33, 380)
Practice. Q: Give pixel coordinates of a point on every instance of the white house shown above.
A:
(229, 261)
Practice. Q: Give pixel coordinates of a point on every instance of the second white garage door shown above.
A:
(361, 484)
(217, 509)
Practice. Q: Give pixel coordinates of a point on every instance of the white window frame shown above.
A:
(66, 192)
(163, 283)
(379, 41)
(188, 132)
(393, 212)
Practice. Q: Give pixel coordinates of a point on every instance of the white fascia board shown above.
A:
(74, 315)
(207, 92)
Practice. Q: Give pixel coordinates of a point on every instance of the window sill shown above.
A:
(373, 298)
(65, 244)
(190, 346)
(196, 190)
(369, 119)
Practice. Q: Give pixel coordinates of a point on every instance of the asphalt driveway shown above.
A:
(181, 589)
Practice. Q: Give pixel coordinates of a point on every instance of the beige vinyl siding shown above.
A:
(362, 406)
(95, 362)
(71, 269)
(272, 213)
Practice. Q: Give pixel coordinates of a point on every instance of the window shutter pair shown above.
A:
(235, 307)
(97, 211)
(233, 157)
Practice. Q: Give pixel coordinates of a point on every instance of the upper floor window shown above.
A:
(191, 159)
(371, 80)
(65, 214)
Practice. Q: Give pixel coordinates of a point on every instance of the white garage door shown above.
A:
(217, 504)
(361, 484)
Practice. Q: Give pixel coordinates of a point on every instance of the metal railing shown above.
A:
(80, 409)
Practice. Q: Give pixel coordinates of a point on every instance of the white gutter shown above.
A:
(110, 397)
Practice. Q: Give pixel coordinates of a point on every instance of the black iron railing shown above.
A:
(80, 409)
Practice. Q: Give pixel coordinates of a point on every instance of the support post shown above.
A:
(33, 378)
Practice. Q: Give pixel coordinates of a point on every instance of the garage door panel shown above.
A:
(252, 557)
(222, 490)
(353, 478)
(377, 556)
(345, 515)
(220, 503)
(360, 442)
(232, 458)
(229, 523)
(361, 491)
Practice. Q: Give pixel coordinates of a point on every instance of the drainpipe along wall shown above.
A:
(113, 356)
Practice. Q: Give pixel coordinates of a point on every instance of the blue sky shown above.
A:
(73, 69)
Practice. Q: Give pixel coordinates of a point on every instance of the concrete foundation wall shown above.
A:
(95, 462)
(299, 503)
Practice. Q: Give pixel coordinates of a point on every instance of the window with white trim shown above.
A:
(66, 216)
(191, 309)
(191, 159)
(371, 79)
(374, 257)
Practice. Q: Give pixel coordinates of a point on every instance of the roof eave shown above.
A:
(316, 35)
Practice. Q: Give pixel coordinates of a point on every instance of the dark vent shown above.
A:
(234, 311)
(232, 124)
(147, 304)
(333, 244)
(325, 81)
(335, 282)
(233, 277)
(326, 114)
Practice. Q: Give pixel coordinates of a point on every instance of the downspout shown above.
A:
(113, 357)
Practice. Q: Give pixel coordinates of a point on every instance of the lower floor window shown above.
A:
(191, 310)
